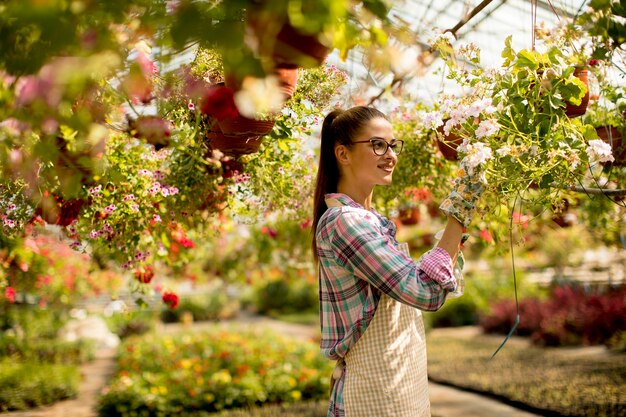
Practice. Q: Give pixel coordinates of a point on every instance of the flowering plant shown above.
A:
(513, 119)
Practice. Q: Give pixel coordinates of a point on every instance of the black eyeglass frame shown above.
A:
(388, 145)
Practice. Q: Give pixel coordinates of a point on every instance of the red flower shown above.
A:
(593, 62)
(170, 299)
(9, 293)
(269, 231)
(187, 243)
(144, 274)
(219, 103)
(486, 236)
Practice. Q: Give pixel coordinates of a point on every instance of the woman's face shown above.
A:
(369, 168)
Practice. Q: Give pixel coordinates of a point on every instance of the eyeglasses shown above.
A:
(381, 146)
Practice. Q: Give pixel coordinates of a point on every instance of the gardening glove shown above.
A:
(469, 185)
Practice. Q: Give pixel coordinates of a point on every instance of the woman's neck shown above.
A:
(359, 195)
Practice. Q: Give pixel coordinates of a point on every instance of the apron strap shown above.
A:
(337, 372)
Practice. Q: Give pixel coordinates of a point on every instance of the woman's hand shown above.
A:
(469, 185)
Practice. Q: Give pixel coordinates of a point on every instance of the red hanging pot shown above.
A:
(572, 110)
(448, 144)
(234, 145)
(286, 45)
(287, 80)
(242, 126)
(409, 216)
(614, 137)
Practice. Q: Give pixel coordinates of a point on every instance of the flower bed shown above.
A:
(571, 316)
(546, 380)
(31, 384)
(211, 371)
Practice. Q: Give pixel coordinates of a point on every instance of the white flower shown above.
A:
(487, 128)
(477, 153)
(599, 151)
(447, 104)
(259, 95)
(432, 120)
(447, 37)
(504, 151)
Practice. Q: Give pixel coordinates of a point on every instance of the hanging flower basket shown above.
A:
(288, 47)
(297, 49)
(572, 110)
(448, 144)
(242, 126)
(234, 145)
(409, 215)
(614, 137)
(287, 79)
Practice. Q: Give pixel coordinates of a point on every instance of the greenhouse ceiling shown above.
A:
(484, 23)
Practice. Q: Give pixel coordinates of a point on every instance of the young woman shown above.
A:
(371, 291)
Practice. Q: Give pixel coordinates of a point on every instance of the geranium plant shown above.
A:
(513, 120)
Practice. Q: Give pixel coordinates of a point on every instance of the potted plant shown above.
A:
(412, 199)
(513, 118)
(608, 116)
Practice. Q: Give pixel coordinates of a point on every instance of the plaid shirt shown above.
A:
(358, 259)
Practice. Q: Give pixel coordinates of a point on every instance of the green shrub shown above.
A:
(47, 350)
(32, 384)
(131, 323)
(211, 371)
(286, 295)
(213, 305)
(455, 312)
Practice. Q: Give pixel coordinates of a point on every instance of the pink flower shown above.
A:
(75, 245)
(134, 207)
(11, 207)
(9, 223)
(158, 175)
(94, 234)
(147, 66)
(110, 209)
(9, 293)
(191, 106)
(165, 191)
(156, 218)
(95, 191)
(154, 129)
(156, 187)
(173, 190)
(128, 197)
(144, 172)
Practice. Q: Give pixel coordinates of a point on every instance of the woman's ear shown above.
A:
(342, 154)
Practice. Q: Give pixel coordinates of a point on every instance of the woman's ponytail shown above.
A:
(327, 173)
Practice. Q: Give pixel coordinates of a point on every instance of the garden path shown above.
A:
(445, 401)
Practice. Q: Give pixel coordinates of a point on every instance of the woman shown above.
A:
(371, 292)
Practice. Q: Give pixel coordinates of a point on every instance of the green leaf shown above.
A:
(527, 59)
(377, 7)
(573, 90)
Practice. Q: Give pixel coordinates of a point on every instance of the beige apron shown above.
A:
(385, 371)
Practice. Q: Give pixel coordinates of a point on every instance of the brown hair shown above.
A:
(339, 127)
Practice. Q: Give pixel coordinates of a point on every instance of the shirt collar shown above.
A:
(343, 199)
